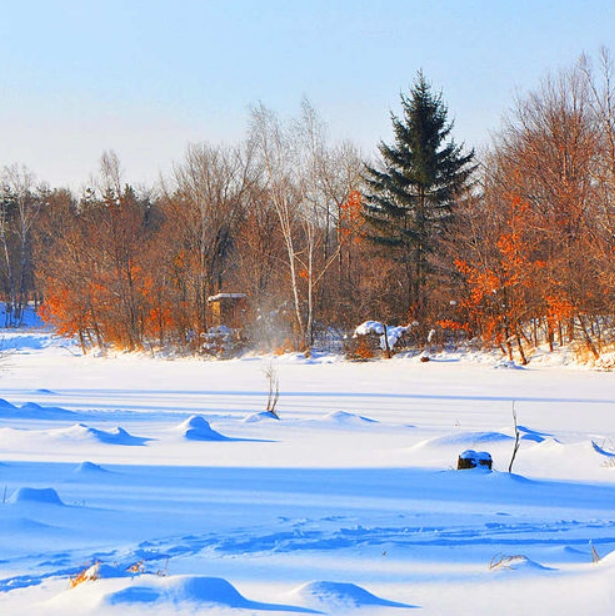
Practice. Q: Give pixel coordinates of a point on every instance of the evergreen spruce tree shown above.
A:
(410, 199)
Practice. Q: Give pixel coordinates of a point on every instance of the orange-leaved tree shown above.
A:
(500, 283)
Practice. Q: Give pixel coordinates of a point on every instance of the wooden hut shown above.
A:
(228, 309)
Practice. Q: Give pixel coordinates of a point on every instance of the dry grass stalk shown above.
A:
(517, 439)
(500, 561)
(274, 390)
(90, 573)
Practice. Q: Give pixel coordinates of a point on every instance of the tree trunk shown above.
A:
(387, 348)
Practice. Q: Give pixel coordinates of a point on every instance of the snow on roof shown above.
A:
(217, 298)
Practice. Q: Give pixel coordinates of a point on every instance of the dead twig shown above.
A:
(274, 390)
(517, 439)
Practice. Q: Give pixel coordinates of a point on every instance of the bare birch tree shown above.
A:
(294, 159)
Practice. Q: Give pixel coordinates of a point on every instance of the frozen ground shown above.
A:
(167, 481)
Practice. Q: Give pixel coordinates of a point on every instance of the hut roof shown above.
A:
(221, 296)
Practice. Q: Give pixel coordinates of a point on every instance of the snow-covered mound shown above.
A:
(30, 410)
(6, 406)
(75, 434)
(344, 418)
(341, 420)
(180, 589)
(333, 597)
(117, 436)
(262, 416)
(212, 593)
(89, 467)
(47, 496)
(197, 428)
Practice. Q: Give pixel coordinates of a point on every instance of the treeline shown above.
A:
(513, 248)
(276, 218)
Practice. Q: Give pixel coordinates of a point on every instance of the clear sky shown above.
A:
(146, 77)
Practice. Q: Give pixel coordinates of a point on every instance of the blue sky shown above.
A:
(145, 78)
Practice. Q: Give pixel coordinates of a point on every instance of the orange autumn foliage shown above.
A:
(498, 290)
(350, 222)
(452, 325)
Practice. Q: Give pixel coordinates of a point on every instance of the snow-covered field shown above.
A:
(167, 481)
